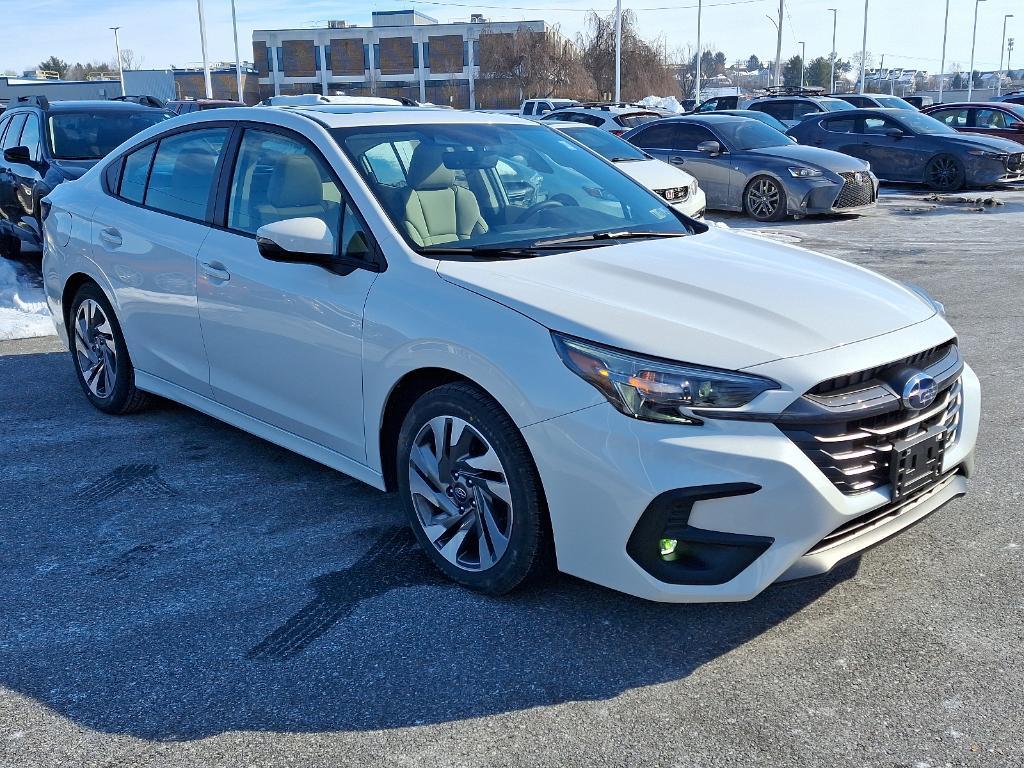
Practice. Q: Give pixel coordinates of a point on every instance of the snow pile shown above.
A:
(23, 312)
(671, 103)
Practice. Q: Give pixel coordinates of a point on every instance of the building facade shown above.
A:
(402, 54)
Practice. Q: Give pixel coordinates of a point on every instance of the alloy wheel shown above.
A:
(460, 493)
(95, 349)
(944, 172)
(763, 199)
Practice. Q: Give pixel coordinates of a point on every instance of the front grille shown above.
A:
(922, 360)
(854, 193)
(1015, 162)
(855, 455)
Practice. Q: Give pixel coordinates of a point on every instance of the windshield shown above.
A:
(835, 105)
(919, 122)
(745, 133)
(91, 135)
(893, 102)
(478, 188)
(607, 145)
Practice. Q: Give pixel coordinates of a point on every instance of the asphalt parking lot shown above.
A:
(177, 593)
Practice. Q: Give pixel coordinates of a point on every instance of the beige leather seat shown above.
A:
(296, 190)
(436, 210)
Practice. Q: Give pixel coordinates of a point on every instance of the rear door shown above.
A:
(145, 239)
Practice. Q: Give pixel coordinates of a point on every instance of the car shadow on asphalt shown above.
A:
(173, 578)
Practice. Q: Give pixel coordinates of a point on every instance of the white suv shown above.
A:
(614, 118)
(582, 377)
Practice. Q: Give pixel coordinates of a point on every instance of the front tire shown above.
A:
(100, 356)
(944, 173)
(764, 199)
(471, 491)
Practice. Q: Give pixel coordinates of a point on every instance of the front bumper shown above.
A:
(831, 195)
(694, 205)
(601, 471)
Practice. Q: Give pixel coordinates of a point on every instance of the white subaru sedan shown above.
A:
(678, 412)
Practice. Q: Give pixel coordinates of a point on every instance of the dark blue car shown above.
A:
(907, 146)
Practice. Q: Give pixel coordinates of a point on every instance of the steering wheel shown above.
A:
(540, 207)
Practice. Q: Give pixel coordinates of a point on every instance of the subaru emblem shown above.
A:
(919, 391)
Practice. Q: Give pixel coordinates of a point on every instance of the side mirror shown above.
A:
(710, 147)
(1018, 126)
(894, 133)
(17, 155)
(302, 241)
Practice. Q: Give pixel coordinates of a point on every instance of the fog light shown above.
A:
(667, 547)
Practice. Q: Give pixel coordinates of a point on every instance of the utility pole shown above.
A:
(778, 44)
(238, 59)
(1002, 47)
(832, 77)
(202, 39)
(120, 66)
(942, 66)
(864, 50)
(803, 53)
(974, 39)
(618, 50)
(696, 86)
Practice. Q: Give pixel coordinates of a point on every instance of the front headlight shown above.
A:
(803, 172)
(656, 390)
(988, 155)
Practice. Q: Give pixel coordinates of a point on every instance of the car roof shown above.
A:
(972, 104)
(87, 105)
(405, 116)
(711, 118)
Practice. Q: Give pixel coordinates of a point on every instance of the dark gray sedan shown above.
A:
(909, 146)
(744, 165)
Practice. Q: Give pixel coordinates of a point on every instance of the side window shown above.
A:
(528, 109)
(803, 108)
(542, 107)
(385, 165)
(656, 137)
(183, 172)
(954, 118)
(13, 136)
(839, 125)
(689, 136)
(780, 110)
(31, 136)
(277, 178)
(875, 125)
(355, 243)
(135, 173)
(991, 118)
(4, 122)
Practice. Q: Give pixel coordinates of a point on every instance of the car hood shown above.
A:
(824, 158)
(720, 298)
(655, 174)
(994, 143)
(74, 169)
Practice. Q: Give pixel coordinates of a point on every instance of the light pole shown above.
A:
(238, 60)
(778, 43)
(942, 66)
(117, 52)
(618, 50)
(774, 68)
(696, 86)
(202, 40)
(1002, 47)
(803, 54)
(864, 49)
(974, 39)
(832, 77)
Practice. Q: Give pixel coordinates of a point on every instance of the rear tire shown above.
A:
(764, 199)
(99, 354)
(10, 247)
(471, 491)
(944, 173)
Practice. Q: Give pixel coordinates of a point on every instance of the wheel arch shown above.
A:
(71, 287)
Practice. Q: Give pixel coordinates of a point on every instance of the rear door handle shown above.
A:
(111, 237)
(215, 271)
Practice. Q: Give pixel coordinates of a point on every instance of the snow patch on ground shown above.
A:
(23, 311)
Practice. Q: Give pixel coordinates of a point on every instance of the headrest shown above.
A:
(427, 169)
(295, 182)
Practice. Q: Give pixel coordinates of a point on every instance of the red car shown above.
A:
(991, 118)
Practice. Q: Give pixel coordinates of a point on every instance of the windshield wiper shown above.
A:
(490, 251)
(625, 234)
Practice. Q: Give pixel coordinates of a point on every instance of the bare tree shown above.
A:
(645, 67)
(129, 60)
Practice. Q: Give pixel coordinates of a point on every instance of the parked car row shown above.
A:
(549, 363)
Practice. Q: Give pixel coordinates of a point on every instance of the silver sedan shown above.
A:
(745, 165)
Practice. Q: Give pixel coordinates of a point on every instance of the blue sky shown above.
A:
(165, 32)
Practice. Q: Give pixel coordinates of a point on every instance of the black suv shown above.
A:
(790, 104)
(44, 144)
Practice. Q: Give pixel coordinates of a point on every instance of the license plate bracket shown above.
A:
(917, 461)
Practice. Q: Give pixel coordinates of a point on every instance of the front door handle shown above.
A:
(215, 271)
(677, 160)
(111, 237)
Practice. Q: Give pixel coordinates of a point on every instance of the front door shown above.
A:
(712, 172)
(284, 340)
(897, 158)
